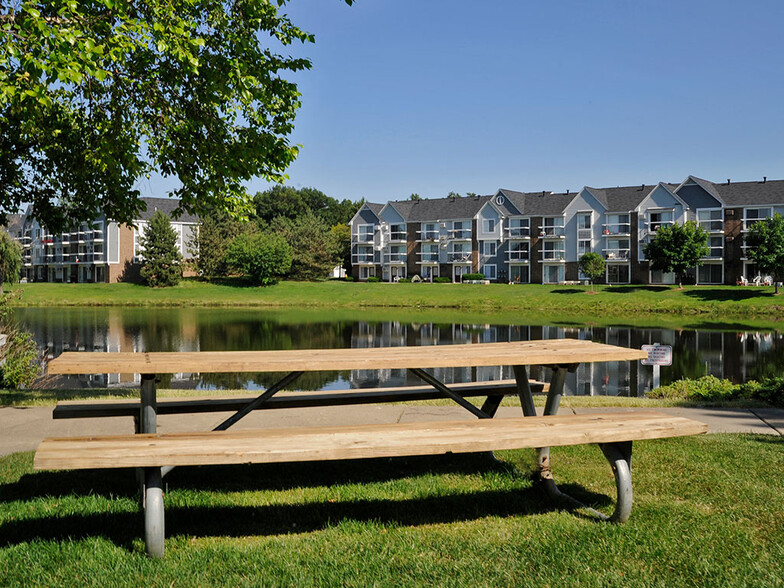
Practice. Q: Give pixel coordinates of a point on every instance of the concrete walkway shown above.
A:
(22, 428)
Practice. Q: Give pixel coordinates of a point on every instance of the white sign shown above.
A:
(657, 355)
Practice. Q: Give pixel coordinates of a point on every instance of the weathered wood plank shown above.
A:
(543, 352)
(77, 409)
(355, 442)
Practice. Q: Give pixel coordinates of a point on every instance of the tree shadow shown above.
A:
(724, 294)
(636, 288)
(568, 291)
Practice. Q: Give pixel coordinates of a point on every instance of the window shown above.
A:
(583, 247)
(488, 225)
(397, 232)
(552, 226)
(710, 220)
(752, 215)
(430, 253)
(460, 230)
(617, 273)
(430, 231)
(518, 274)
(365, 233)
(553, 250)
(518, 252)
(617, 249)
(710, 273)
(617, 224)
(584, 220)
(519, 227)
(489, 271)
(660, 218)
(716, 246)
(489, 248)
(553, 274)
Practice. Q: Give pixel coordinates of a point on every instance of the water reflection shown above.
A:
(736, 355)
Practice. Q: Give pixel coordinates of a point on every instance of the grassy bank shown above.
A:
(707, 512)
(704, 301)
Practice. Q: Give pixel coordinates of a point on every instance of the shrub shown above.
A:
(705, 388)
(373, 279)
(769, 390)
(19, 365)
(404, 281)
(442, 280)
(348, 279)
(473, 276)
(261, 257)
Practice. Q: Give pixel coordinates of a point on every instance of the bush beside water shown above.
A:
(713, 389)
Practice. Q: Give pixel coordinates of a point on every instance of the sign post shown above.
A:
(658, 355)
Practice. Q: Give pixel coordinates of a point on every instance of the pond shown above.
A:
(735, 352)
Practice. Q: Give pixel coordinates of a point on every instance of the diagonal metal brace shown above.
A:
(447, 392)
(250, 407)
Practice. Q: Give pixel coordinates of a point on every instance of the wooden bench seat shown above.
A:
(355, 442)
(76, 409)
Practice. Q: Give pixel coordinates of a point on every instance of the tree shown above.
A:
(765, 246)
(292, 203)
(677, 248)
(341, 236)
(592, 265)
(97, 95)
(315, 251)
(10, 259)
(211, 242)
(162, 265)
(261, 257)
(415, 196)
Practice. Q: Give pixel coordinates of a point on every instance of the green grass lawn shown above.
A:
(533, 300)
(709, 511)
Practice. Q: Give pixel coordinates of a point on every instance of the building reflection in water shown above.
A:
(735, 355)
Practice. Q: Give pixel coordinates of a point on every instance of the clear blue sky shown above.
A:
(432, 96)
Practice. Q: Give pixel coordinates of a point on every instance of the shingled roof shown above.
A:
(540, 203)
(751, 193)
(434, 209)
(167, 206)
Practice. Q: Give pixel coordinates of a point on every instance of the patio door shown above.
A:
(458, 271)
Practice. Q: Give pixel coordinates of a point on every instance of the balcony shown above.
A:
(713, 226)
(518, 232)
(394, 258)
(617, 229)
(515, 255)
(715, 253)
(362, 237)
(460, 234)
(428, 257)
(654, 226)
(458, 257)
(549, 232)
(616, 254)
(362, 258)
(553, 255)
(397, 236)
(428, 235)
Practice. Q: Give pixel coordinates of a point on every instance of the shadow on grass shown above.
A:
(632, 289)
(724, 294)
(568, 291)
(124, 528)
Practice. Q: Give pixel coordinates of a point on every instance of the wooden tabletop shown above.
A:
(542, 352)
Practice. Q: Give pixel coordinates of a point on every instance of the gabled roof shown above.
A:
(622, 199)
(541, 203)
(375, 208)
(167, 206)
(435, 209)
(13, 223)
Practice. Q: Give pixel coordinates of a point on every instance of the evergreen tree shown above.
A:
(162, 265)
(210, 244)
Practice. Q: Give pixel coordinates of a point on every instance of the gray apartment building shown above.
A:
(538, 237)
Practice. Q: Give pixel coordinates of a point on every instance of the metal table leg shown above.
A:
(152, 487)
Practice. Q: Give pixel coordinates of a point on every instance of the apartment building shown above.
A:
(538, 237)
(97, 251)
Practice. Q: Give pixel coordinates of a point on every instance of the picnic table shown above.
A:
(157, 454)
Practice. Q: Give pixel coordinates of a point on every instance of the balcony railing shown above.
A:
(616, 254)
(358, 258)
(397, 236)
(428, 235)
(428, 257)
(617, 229)
(363, 237)
(394, 258)
(547, 232)
(458, 257)
(518, 232)
(460, 234)
(713, 226)
(515, 255)
(654, 226)
(557, 255)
